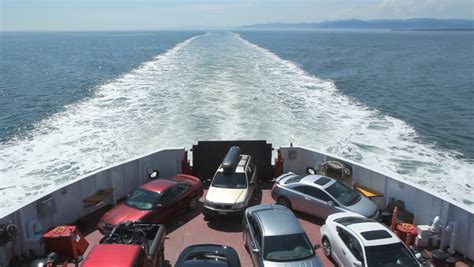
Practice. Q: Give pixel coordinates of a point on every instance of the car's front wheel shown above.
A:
(284, 202)
(326, 247)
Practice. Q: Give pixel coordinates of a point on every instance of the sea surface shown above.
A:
(400, 102)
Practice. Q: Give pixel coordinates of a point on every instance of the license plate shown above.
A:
(221, 212)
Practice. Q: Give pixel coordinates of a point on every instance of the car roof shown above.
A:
(112, 255)
(267, 214)
(311, 180)
(365, 227)
(159, 185)
(240, 166)
(381, 235)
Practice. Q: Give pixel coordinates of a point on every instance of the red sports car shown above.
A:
(155, 201)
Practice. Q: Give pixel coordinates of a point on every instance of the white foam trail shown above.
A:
(213, 87)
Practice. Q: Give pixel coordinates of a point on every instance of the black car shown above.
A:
(208, 255)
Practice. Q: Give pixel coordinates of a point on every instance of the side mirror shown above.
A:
(330, 203)
(154, 174)
(317, 246)
(356, 263)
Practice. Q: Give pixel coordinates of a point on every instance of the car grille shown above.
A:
(223, 206)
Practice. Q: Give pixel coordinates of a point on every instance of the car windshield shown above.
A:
(232, 180)
(345, 195)
(390, 255)
(207, 256)
(142, 199)
(287, 247)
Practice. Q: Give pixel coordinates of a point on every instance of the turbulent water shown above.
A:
(212, 87)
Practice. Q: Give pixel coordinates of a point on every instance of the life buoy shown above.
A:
(407, 227)
(59, 230)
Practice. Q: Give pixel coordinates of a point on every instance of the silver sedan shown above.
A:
(320, 196)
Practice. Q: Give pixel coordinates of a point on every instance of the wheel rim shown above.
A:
(326, 248)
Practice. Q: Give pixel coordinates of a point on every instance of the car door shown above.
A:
(172, 201)
(301, 200)
(347, 249)
(253, 240)
(182, 193)
(180, 200)
(164, 209)
(320, 205)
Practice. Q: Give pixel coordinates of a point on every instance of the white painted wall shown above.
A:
(423, 203)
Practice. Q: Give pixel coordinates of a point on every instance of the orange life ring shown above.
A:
(407, 227)
(59, 230)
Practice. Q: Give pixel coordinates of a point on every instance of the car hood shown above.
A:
(122, 213)
(312, 262)
(364, 207)
(226, 195)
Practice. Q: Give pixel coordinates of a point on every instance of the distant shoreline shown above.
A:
(433, 30)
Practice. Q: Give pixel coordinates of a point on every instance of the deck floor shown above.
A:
(191, 228)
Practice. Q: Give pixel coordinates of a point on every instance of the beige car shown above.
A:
(233, 185)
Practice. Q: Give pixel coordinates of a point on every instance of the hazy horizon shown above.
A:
(144, 15)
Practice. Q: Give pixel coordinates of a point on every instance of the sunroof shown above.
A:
(351, 220)
(374, 235)
(322, 181)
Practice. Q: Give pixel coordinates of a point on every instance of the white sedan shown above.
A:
(353, 240)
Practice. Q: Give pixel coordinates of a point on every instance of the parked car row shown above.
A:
(271, 232)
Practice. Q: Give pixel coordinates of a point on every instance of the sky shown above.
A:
(63, 15)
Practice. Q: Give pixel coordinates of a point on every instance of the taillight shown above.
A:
(274, 186)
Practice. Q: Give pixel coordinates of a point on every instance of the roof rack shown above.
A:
(231, 159)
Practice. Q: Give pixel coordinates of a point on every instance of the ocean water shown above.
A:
(222, 85)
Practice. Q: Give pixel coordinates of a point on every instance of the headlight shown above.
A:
(239, 205)
(207, 203)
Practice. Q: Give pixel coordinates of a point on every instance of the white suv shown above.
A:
(233, 185)
(350, 239)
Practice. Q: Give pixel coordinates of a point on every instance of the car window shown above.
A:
(142, 199)
(256, 231)
(344, 194)
(351, 243)
(318, 193)
(390, 255)
(166, 197)
(177, 190)
(313, 192)
(250, 171)
(170, 194)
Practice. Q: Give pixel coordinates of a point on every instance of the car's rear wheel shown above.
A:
(193, 203)
(284, 202)
(326, 247)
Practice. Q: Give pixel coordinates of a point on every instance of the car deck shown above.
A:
(191, 228)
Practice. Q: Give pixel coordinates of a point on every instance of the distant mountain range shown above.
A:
(380, 24)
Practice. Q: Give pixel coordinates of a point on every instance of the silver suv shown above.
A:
(274, 237)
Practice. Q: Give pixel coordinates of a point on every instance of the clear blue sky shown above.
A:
(46, 15)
